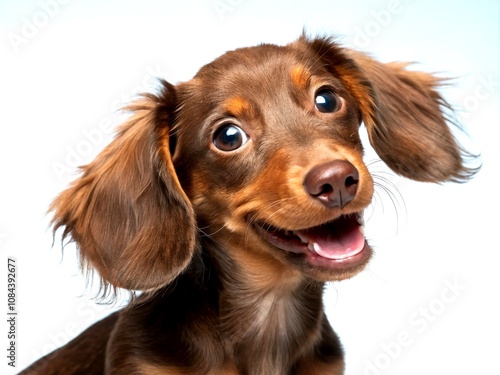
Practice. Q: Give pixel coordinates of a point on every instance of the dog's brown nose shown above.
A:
(334, 184)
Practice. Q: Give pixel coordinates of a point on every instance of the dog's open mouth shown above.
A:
(336, 242)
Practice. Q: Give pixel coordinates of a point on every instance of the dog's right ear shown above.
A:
(127, 213)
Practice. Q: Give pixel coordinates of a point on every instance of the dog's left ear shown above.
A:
(405, 115)
(127, 213)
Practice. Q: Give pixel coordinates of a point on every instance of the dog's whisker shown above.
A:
(203, 231)
(253, 219)
(390, 190)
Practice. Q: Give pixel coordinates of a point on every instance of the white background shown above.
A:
(429, 301)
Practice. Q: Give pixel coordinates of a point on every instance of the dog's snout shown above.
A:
(334, 184)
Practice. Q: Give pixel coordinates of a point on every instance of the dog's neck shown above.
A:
(266, 311)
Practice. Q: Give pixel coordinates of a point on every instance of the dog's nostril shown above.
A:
(351, 181)
(334, 184)
(325, 189)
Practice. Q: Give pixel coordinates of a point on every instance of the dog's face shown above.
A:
(260, 153)
(270, 156)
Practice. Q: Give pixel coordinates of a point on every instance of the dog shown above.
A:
(230, 200)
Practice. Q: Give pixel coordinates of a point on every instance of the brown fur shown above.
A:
(164, 210)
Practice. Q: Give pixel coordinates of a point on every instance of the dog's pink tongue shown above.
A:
(334, 243)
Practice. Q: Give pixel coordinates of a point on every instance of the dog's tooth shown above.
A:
(302, 238)
(310, 246)
(361, 229)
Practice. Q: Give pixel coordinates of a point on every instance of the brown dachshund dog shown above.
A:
(229, 200)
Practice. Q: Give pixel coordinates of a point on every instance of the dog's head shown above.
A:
(260, 152)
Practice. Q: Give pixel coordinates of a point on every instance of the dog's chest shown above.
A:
(269, 335)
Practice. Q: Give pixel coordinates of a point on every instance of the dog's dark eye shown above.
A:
(326, 101)
(229, 137)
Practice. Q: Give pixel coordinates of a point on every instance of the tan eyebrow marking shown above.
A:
(300, 76)
(237, 106)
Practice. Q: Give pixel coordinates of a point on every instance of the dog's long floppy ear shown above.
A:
(127, 213)
(405, 116)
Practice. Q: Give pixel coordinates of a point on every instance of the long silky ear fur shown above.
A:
(127, 213)
(411, 129)
(405, 115)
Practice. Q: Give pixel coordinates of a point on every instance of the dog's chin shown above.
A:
(331, 251)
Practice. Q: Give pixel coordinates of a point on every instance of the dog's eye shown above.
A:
(326, 101)
(229, 137)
